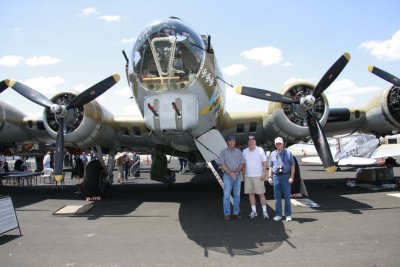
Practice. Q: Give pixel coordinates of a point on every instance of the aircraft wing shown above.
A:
(350, 161)
(384, 151)
(356, 161)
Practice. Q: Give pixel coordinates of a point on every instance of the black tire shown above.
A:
(296, 186)
(92, 184)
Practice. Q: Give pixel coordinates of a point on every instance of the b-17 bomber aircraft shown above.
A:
(179, 89)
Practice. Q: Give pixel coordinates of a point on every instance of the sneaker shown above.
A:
(288, 218)
(277, 218)
(265, 215)
(253, 214)
(227, 217)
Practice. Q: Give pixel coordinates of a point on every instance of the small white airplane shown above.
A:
(350, 150)
(178, 86)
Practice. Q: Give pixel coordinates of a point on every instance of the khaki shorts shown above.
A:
(253, 185)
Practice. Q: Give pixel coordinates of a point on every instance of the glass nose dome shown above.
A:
(167, 55)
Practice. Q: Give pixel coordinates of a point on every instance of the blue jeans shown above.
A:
(229, 184)
(282, 186)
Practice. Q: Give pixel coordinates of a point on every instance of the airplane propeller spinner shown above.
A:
(307, 102)
(61, 111)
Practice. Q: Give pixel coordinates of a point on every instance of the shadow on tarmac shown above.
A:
(200, 213)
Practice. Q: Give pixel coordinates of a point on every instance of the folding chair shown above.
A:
(48, 173)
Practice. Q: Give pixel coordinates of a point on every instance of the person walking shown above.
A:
(231, 161)
(254, 172)
(119, 162)
(47, 160)
(281, 176)
(182, 165)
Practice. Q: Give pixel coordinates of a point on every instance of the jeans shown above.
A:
(229, 184)
(282, 186)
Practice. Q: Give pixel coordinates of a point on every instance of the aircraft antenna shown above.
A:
(219, 78)
(209, 44)
(126, 58)
(126, 67)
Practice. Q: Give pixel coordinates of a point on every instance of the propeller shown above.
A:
(384, 75)
(307, 103)
(4, 85)
(61, 111)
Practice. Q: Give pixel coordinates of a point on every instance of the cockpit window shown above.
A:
(167, 56)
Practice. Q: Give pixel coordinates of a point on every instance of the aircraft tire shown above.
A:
(91, 185)
(296, 186)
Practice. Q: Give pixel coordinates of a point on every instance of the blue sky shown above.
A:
(71, 45)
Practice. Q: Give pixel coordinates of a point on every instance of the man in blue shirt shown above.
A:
(231, 161)
(281, 175)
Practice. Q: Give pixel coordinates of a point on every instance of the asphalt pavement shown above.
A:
(145, 223)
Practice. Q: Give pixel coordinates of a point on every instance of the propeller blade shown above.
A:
(264, 95)
(93, 92)
(59, 152)
(320, 142)
(384, 75)
(4, 85)
(31, 94)
(331, 74)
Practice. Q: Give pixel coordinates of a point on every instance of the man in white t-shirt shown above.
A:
(47, 160)
(254, 176)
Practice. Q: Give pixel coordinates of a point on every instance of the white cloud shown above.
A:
(125, 91)
(111, 18)
(233, 70)
(287, 64)
(128, 41)
(344, 93)
(45, 85)
(10, 61)
(267, 55)
(41, 61)
(80, 87)
(88, 11)
(388, 50)
(292, 80)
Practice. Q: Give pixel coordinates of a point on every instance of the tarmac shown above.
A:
(145, 223)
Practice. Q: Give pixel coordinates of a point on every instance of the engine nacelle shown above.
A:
(383, 112)
(12, 128)
(85, 126)
(290, 120)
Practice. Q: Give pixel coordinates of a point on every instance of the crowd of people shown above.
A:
(128, 164)
(20, 164)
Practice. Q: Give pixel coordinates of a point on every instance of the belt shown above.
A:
(281, 174)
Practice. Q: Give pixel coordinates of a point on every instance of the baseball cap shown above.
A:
(251, 137)
(231, 138)
(278, 140)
